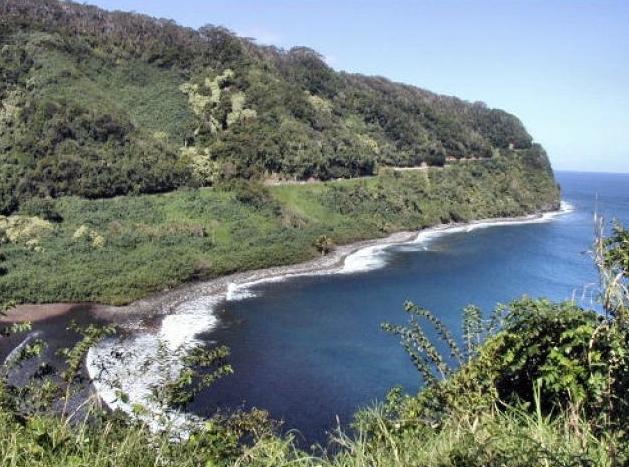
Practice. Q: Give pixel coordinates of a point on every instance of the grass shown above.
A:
(514, 437)
(152, 242)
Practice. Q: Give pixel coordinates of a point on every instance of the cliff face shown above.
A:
(99, 104)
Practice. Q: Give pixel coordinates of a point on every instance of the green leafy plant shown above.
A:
(429, 361)
(201, 368)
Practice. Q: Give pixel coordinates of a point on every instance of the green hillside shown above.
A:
(98, 108)
(99, 104)
(121, 249)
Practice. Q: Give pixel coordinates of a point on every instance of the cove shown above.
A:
(310, 350)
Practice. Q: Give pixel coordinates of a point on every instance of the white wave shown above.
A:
(375, 257)
(189, 319)
(566, 207)
(365, 259)
(244, 290)
(425, 237)
(135, 365)
(237, 292)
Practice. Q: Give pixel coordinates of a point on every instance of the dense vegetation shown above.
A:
(121, 249)
(538, 383)
(99, 104)
(100, 109)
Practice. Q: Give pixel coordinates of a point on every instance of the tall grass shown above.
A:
(493, 437)
(513, 436)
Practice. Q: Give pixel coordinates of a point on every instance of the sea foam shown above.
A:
(365, 259)
(237, 292)
(126, 370)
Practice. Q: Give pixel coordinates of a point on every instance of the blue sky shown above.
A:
(561, 66)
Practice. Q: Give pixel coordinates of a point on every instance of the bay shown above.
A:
(310, 349)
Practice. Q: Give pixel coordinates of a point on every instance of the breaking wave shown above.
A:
(126, 370)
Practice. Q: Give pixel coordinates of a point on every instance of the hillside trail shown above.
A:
(274, 181)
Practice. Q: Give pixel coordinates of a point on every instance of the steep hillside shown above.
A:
(98, 104)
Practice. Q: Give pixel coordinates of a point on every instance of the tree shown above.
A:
(324, 244)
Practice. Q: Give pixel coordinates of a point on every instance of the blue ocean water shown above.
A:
(310, 349)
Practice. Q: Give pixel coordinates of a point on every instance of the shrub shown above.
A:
(578, 355)
(251, 193)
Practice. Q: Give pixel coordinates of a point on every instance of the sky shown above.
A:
(561, 66)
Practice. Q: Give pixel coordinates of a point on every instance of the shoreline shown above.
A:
(169, 325)
(166, 302)
(156, 333)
